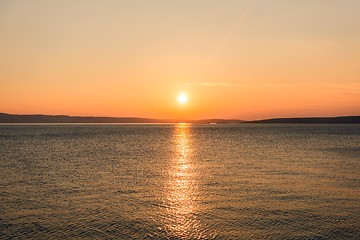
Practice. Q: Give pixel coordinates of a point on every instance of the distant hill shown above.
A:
(39, 118)
(344, 119)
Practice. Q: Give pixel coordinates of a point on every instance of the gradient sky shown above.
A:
(243, 59)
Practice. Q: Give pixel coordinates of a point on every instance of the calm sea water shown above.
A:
(180, 181)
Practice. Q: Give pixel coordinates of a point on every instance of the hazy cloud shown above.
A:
(208, 84)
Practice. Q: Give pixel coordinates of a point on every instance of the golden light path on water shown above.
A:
(181, 189)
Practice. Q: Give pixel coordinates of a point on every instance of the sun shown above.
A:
(182, 98)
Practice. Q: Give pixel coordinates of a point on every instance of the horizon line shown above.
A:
(171, 120)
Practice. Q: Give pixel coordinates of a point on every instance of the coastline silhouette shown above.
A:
(40, 118)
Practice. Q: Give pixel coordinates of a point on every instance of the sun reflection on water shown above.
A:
(182, 188)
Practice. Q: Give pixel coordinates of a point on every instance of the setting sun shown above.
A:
(182, 98)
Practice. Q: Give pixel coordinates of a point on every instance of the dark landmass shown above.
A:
(39, 118)
(312, 120)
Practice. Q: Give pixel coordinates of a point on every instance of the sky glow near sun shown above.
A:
(241, 59)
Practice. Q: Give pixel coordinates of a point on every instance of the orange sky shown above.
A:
(235, 59)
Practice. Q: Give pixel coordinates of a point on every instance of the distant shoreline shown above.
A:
(63, 119)
(312, 120)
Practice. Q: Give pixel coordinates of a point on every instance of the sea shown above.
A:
(180, 181)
